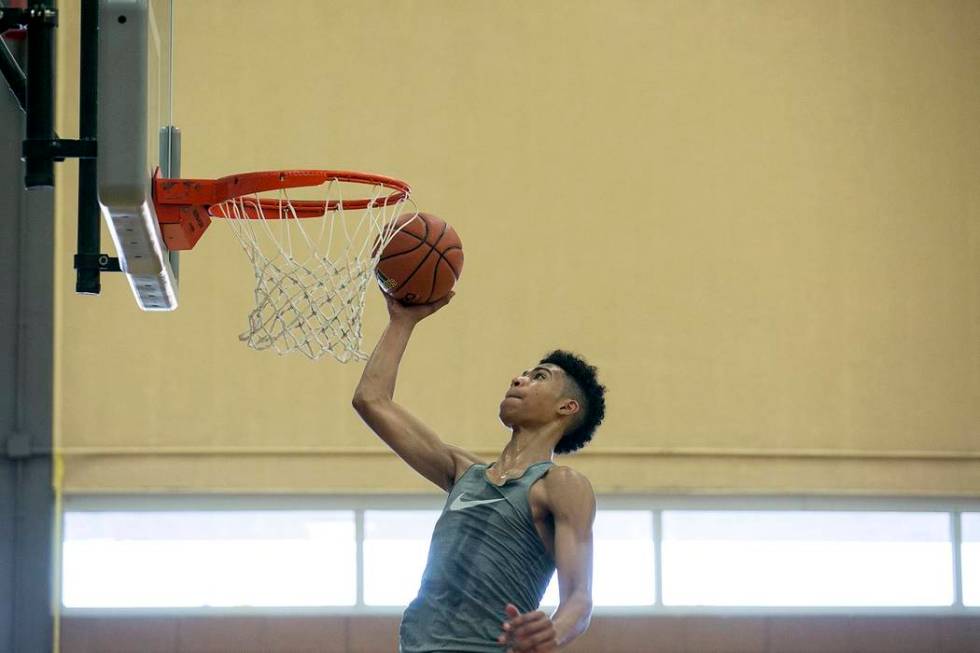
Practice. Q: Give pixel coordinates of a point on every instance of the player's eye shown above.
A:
(539, 375)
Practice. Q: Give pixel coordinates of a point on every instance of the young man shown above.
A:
(505, 527)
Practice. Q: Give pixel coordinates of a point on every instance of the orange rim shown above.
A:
(172, 194)
(185, 207)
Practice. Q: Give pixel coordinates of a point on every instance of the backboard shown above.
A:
(135, 138)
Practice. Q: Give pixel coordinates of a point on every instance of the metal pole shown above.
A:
(40, 94)
(87, 280)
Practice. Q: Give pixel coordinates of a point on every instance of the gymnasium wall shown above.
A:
(761, 220)
(690, 634)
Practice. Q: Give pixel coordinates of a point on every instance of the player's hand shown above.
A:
(531, 632)
(413, 313)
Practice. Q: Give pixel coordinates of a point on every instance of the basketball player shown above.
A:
(507, 526)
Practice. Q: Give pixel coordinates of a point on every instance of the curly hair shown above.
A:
(586, 389)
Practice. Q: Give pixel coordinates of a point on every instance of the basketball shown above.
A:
(422, 262)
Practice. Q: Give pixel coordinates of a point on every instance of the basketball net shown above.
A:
(311, 273)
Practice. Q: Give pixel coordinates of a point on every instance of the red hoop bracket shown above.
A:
(185, 207)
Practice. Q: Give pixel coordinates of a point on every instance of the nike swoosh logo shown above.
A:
(459, 504)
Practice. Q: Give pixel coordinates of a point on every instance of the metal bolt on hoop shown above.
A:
(313, 260)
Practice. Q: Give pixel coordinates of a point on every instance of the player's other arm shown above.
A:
(413, 441)
(573, 507)
(572, 504)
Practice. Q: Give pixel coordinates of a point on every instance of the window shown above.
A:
(623, 560)
(719, 555)
(396, 547)
(197, 559)
(742, 558)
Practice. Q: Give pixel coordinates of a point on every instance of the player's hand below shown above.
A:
(414, 313)
(531, 632)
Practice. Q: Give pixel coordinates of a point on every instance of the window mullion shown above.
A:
(658, 566)
(956, 535)
(359, 557)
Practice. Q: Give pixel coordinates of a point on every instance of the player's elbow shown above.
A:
(360, 402)
(364, 402)
(584, 610)
(580, 600)
(585, 603)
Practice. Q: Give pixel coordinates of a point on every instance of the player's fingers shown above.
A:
(547, 641)
(532, 632)
(527, 617)
(517, 618)
(535, 633)
(507, 627)
(539, 643)
(431, 308)
(524, 647)
(530, 626)
(445, 300)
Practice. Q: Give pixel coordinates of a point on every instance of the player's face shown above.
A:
(533, 396)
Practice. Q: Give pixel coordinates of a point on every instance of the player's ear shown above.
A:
(568, 406)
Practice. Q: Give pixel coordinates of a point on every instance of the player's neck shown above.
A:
(526, 447)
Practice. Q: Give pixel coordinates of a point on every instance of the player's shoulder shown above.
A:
(567, 485)
(464, 456)
(565, 475)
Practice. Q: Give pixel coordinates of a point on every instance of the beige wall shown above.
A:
(761, 220)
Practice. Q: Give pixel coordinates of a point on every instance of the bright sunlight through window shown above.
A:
(712, 558)
(396, 546)
(198, 559)
(743, 558)
(623, 558)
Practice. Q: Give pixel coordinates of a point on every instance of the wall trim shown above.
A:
(607, 452)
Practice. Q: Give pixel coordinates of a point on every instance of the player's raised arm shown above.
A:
(412, 440)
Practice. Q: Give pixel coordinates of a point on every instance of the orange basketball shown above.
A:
(422, 262)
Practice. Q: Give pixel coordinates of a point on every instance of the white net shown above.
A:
(311, 273)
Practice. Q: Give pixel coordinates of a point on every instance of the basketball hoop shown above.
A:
(313, 259)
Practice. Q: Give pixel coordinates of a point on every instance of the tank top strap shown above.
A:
(533, 473)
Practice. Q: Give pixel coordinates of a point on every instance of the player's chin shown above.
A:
(507, 415)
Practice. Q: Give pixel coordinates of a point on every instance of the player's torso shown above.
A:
(538, 502)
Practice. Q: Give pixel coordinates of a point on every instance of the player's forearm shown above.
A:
(572, 617)
(381, 370)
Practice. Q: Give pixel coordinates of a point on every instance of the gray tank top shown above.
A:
(485, 553)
